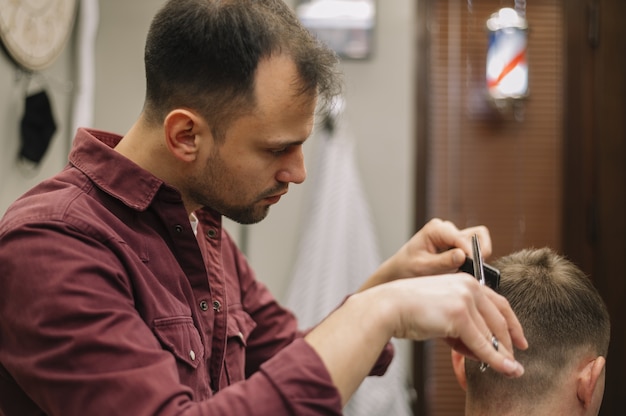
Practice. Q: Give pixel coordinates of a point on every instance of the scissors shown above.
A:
(479, 268)
(479, 273)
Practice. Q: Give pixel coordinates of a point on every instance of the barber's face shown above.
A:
(261, 154)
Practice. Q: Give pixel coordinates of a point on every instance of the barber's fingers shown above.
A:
(486, 348)
(464, 240)
(510, 325)
(431, 251)
(457, 308)
(445, 234)
(439, 235)
(441, 247)
(491, 322)
(440, 263)
(473, 344)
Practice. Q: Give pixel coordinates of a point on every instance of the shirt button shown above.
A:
(178, 228)
(192, 355)
(211, 233)
(217, 306)
(204, 305)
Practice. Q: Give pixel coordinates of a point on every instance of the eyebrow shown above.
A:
(286, 143)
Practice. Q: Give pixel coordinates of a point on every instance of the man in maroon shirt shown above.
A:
(123, 294)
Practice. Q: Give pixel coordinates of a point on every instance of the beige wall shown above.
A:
(379, 97)
(15, 85)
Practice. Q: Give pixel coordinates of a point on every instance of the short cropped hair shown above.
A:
(562, 315)
(203, 54)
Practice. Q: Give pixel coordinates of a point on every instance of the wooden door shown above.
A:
(482, 164)
(594, 219)
(555, 177)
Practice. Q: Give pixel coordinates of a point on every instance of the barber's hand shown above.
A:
(458, 309)
(454, 307)
(439, 247)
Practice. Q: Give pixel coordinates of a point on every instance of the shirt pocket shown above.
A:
(239, 325)
(179, 336)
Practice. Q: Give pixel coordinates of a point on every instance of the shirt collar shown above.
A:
(93, 154)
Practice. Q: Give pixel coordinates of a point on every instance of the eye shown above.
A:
(279, 151)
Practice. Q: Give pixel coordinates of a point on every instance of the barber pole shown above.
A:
(507, 67)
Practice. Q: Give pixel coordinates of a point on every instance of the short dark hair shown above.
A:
(562, 314)
(203, 54)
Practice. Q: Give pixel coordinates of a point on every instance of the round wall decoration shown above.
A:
(34, 32)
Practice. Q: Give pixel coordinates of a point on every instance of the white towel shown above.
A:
(337, 252)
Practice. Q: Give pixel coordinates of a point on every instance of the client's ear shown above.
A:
(591, 382)
(458, 365)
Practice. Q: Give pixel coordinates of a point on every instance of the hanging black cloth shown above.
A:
(37, 127)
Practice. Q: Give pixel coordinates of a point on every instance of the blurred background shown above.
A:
(544, 169)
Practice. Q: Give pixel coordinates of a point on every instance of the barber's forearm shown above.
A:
(350, 340)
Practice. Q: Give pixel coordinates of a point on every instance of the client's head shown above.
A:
(567, 327)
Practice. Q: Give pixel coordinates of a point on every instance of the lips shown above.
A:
(275, 198)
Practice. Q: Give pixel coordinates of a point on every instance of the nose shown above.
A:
(293, 170)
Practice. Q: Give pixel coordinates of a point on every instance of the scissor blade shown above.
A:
(478, 260)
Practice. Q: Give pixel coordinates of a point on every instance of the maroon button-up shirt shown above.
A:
(110, 305)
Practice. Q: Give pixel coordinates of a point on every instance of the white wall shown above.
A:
(380, 110)
(379, 97)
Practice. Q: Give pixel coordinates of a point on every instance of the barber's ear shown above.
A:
(182, 129)
(591, 382)
(458, 365)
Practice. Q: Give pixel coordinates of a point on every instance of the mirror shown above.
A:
(346, 26)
